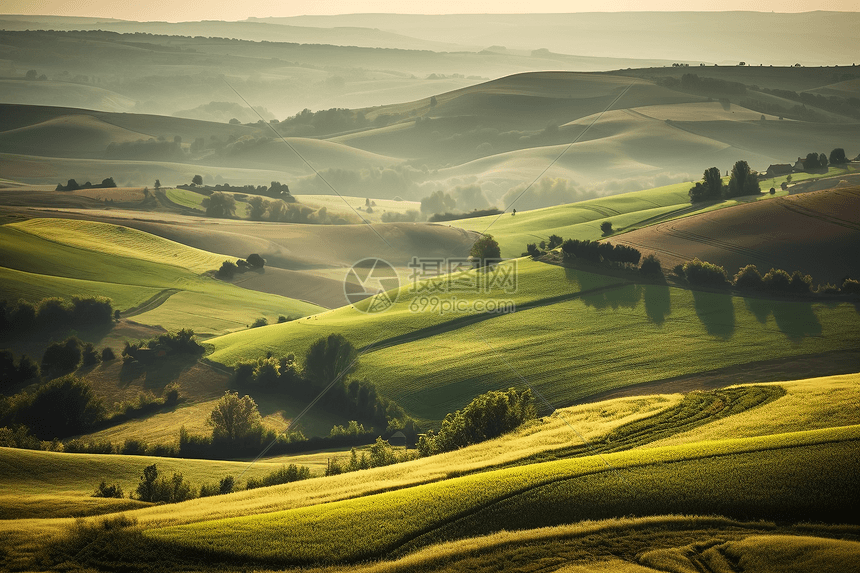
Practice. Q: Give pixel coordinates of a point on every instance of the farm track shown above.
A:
(153, 303)
(469, 320)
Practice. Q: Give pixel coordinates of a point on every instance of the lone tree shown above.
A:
(606, 227)
(743, 181)
(157, 184)
(486, 250)
(197, 180)
(234, 418)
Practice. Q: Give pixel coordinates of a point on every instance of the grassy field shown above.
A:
(628, 211)
(49, 484)
(62, 257)
(811, 472)
(433, 363)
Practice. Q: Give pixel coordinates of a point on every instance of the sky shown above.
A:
(185, 10)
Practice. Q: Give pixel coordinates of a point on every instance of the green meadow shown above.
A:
(61, 257)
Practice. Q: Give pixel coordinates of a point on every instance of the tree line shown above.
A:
(55, 313)
(72, 185)
(749, 278)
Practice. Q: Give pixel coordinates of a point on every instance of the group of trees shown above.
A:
(156, 488)
(55, 314)
(819, 160)
(742, 181)
(61, 408)
(327, 359)
(440, 217)
(596, 252)
(72, 185)
(182, 343)
(229, 269)
(488, 416)
(748, 278)
(378, 455)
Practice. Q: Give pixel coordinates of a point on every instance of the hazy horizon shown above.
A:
(185, 10)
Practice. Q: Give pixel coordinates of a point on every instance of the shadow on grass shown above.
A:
(796, 320)
(716, 311)
(658, 303)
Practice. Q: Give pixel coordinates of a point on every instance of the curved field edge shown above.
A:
(371, 526)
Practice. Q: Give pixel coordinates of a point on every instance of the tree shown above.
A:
(554, 241)
(433, 101)
(63, 407)
(62, 357)
(234, 418)
(157, 184)
(711, 186)
(146, 487)
(256, 261)
(220, 205)
(822, 160)
(748, 278)
(837, 156)
(227, 271)
(811, 161)
(108, 183)
(197, 180)
(606, 227)
(328, 358)
(743, 181)
(259, 206)
(31, 74)
(234, 121)
(485, 251)
(438, 202)
(650, 265)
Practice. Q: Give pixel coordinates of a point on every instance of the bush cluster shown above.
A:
(488, 416)
(596, 252)
(171, 344)
(376, 456)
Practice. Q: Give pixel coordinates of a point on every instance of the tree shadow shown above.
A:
(796, 320)
(716, 311)
(627, 296)
(156, 374)
(658, 303)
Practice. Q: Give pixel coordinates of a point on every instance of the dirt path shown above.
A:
(152, 303)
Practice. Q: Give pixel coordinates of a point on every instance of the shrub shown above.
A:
(104, 490)
(89, 356)
(227, 271)
(262, 321)
(155, 490)
(555, 241)
(701, 273)
(748, 278)
(532, 250)
(62, 357)
(108, 354)
(282, 475)
(606, 227)
(651, 266)
(134, 447)
(256, 261)
(801, 283)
